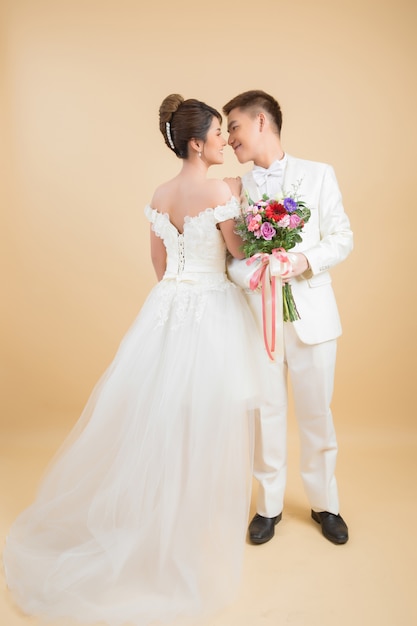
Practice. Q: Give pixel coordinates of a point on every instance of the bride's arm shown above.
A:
(158, 255)
(233, 240)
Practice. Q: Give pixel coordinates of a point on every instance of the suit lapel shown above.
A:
(289, 174)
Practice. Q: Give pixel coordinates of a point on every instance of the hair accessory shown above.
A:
(168, 129)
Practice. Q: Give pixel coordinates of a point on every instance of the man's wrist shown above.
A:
(308, 268)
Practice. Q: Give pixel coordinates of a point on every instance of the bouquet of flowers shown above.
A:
(273, 225)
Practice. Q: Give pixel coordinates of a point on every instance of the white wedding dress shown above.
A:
(141, 517)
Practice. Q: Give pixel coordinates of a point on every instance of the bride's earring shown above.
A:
(199, 154)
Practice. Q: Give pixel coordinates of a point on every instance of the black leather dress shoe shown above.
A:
(333, 526)
(262, 529)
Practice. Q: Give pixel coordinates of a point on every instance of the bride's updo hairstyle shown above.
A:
(181, 120)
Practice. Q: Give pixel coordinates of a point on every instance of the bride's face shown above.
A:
(214, 144)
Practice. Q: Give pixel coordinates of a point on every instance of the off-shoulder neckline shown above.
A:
(190, 218)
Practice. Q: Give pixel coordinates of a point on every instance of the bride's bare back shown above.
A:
(187, 196)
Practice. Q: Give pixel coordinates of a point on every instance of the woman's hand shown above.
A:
(235, 185)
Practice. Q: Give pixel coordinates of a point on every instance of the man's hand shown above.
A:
(299, 264)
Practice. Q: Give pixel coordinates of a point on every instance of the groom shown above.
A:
(254, 126)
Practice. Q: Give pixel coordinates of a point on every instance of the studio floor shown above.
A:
(298, 578)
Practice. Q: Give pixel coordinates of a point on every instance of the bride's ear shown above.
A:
(196, 145)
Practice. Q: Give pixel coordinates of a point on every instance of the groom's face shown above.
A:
(243, 132)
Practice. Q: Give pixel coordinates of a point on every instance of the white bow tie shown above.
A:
(261, 174)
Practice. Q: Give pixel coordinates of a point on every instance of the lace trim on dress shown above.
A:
(157, 220)
(227, 211)
(222, 212)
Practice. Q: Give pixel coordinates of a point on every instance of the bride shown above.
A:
(142, 514)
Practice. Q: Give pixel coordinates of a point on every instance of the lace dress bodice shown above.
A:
(198, 253)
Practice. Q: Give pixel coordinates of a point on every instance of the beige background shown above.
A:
(82, 83)
(80, 155)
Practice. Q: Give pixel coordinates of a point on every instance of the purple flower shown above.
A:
(268, 231)
(290, 205)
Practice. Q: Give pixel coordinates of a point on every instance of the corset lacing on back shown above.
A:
(181, 254)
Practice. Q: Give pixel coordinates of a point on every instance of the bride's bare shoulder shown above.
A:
(162, 192)
(220, 190)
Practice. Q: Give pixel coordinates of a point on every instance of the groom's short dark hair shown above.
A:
(254, 100)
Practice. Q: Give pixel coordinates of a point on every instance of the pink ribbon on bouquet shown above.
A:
(276, 264)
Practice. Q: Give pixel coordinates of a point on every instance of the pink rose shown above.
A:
(284, 222)
(294, 220)
(268, 231)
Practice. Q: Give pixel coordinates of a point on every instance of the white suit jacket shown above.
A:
(327, 240)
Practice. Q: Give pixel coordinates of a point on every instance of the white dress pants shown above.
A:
(311, 371)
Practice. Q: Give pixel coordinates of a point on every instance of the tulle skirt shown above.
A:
(142, 515)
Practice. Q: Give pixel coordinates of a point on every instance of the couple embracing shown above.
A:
(143, 514)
